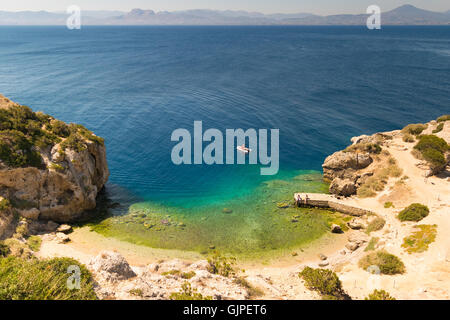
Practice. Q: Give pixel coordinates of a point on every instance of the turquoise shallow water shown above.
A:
(135, 85)
(264, 220)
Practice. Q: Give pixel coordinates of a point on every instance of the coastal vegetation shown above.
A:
(374, 148)
(414, 129)
(379, 295)
(325, 282)
(23, 133)
(433, 150)
(33, 279)
(408, 138)
(420, 240)
(414, 212)
(372, 243)
(439, 128)
(443, 118)
(375, 225)
(188, 293)
(388, 205)
(386, 262)
(379, 179)
(222, 265)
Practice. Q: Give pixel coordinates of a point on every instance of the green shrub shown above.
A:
(34, 279)
(414, 129)
(433, 150)
(443, 118)
(376, 224)
(419, 240)
(4, 249)
(439, 128)
(324, 281)
(388, 205)
(17, 151)
(4, 204)
(379, 295)
(408, 138)
(23, 133)
(136, 292)
(34, 242)
(415, 212)
(59, 128)
(187, 293)
(222, 265)
(388, 263)
(57, 167)
(74, 142)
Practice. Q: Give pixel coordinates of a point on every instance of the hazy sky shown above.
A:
(265, 6)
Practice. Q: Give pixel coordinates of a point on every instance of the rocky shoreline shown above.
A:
(383, 173)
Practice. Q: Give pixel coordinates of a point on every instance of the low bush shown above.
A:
(187, 293)
(34, 242)
(388, 205)
(33, 279)
(4, 249)
(443, 118)
(439, 128)
(414, 212)
(379, 295)
(386, 262)
(420, 240)
(136, 292)
(4, 204)
(376, 224)
(221, 265)
(414, 129)
(408, 138)
(324, 281)
(433, 149)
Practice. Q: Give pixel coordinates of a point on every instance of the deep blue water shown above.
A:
(135, 85)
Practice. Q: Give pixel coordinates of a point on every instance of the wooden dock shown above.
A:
(328, 201)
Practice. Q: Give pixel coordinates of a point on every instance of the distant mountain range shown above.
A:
(404, 15)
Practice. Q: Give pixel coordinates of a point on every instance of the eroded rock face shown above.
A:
(343, 164)
(65, 184)
(343, 187)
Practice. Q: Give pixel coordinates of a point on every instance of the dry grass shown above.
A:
(376, 183)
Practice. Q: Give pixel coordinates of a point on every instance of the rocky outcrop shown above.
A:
(63, 173)
(343, 164)
(112, 266)
(158, 281)
(343, 187)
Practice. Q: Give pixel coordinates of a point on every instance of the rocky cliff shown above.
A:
(49, 170)
(364, 167)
